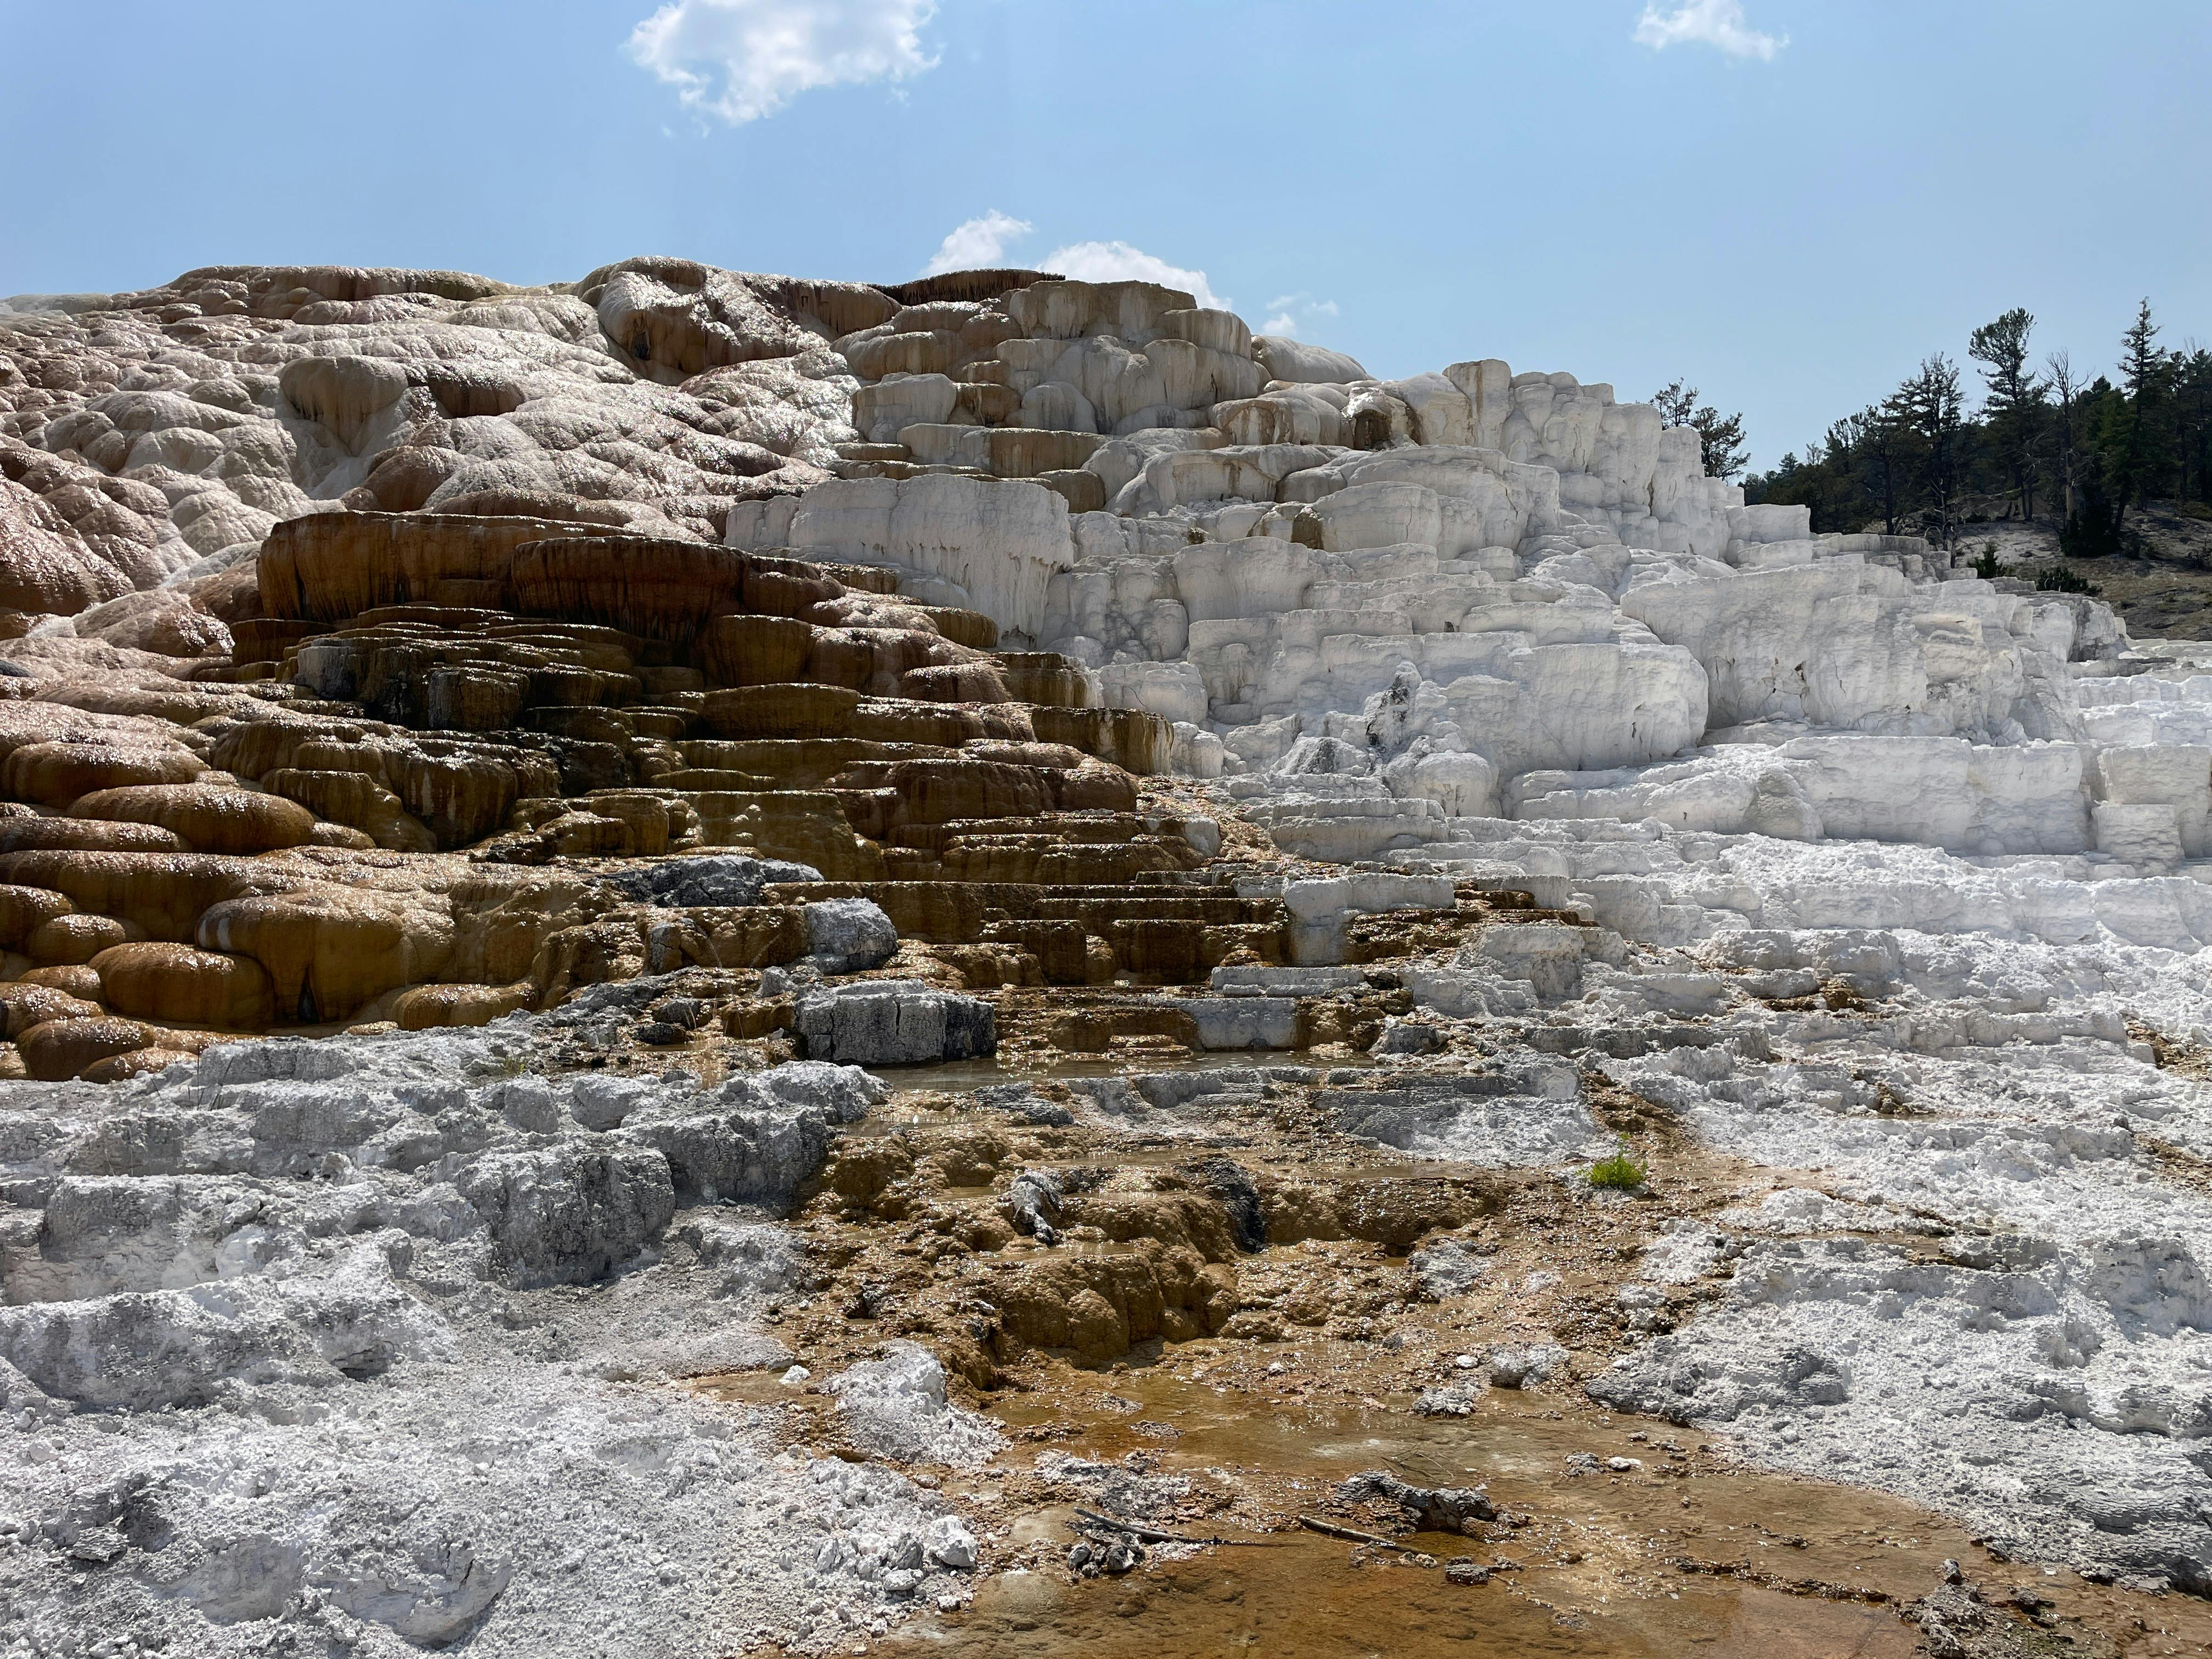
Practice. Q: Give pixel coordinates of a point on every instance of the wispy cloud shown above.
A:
(1296, 315)
(743, 60)
(1717, 23)
(981, 243)
(1118, 262)
(977, 244)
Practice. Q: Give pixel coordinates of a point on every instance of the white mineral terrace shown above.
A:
(1894, 885)
(1518, 637)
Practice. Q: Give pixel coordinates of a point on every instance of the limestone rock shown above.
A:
(64, 1047)
(175, 1348)
(328, 566)
(26, 1005)
(895, 1407)
(72, 536)
(1296, 362)
(166, 621)
(986, 546)
(207, 817)
(177, 985)
(894, 1023)
(569, 1216)
(710, 879)
(1441, 1508)
(850, 936)
(1814, 844)
(57, 773)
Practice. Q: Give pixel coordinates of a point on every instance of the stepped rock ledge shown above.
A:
(568, 852)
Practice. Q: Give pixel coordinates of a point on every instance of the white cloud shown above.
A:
(1707, 23)
(742, 59)
(1117, 262)
(1294, 315)
(977, 244)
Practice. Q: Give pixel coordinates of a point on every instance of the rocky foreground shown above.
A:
(698, 962)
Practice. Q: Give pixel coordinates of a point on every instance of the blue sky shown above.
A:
(1787, 201)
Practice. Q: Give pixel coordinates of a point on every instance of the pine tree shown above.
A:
(1677, 404)
(2101, 417)
(2093, 449)
(2013, 409)
(1933, 405)
(2145, 372)
(2193, 413)
(1889, 441)
(1720, 437)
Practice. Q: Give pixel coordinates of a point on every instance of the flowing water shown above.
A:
(1777, 1567)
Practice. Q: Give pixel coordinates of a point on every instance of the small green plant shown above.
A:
(2061, 579)
(1620, 1172)
(1988, 566)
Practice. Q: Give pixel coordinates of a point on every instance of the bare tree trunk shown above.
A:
(2061, 382)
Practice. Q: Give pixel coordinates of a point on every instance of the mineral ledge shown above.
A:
(499, 779)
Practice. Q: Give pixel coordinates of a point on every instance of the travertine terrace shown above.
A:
(504, 785)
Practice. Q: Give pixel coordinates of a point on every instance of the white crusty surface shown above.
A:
(1880, 876)
(1976, 1276)
(366, 1345)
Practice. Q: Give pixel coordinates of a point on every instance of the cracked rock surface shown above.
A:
(365, 1343)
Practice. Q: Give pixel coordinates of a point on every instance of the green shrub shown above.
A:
(1620, 1172)
(1988, 566)
(2090, 533)
(2059, 579)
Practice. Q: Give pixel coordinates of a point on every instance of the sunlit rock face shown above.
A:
(1903, 842)
(1250, 537)
(411, 651)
